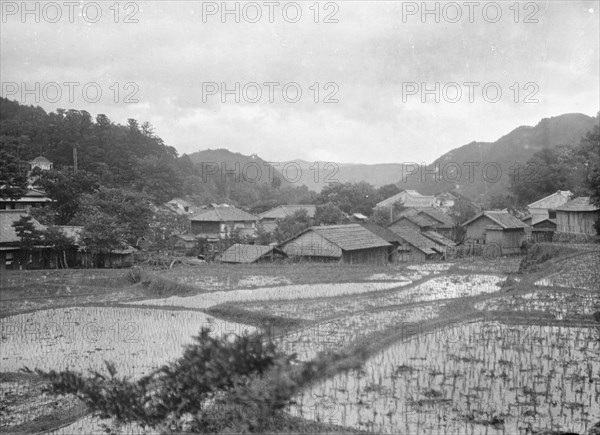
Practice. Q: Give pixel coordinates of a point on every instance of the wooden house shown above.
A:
(240, 253)
(545, 208)
(269, 218)
(32, 198)
(408, 198)
(443, 243)
(11, 256)
(543, 231)
(396, 247)
(577, 216)
(432, 217)
(415, 247)
(221, 220)
(182, 244)
(499, 228)
(349, 243)
(413, 222)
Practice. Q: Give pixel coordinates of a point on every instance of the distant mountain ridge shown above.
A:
(461, 169)
(252, 167)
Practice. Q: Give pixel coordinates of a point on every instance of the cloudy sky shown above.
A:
(373, 58)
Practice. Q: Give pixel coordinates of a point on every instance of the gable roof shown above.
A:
(438, 238)
(402, 194)
(578, 204)
(416, 240)
(503, 219)
(349, 237)
(222, 213)
(440, 218)
(419, 220)
(545, 222)
(240, 253)
(561, 195)
(283, 211)
(7, 231)
(387, 235)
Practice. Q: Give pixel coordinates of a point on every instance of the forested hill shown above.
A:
(115, 155)
(510, 152)
(131, 157)
(515, 148)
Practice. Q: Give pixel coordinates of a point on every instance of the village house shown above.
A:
(542, 231)
(180, 206)
(11, 257)
(577, 216)
(545, 208)
(349, 243)
(432, 217)
(408, 198)
(415, 247)
(79, 257)
(241, 253)
(221, 220)
(268, 219)
(497, 228)
(444, 245)
(445, 201)
(396, 243)
(33, 198)
(413, 222)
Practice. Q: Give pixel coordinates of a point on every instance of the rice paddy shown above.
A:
(82, 338)
(468, 377)
(489, 379)
(290, 292)
(437, 288)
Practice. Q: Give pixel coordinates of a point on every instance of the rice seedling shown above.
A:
(441, 287)
(81, 338)
(338, 333)
(487, 384)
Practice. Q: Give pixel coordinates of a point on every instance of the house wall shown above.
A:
(476, 230)
(576, 222)
(412, 255)
(508, 240)
(366, 256)
(10, 260)
(205, 228)
(310, 244)
(540, 212)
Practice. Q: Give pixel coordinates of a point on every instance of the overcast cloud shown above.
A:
(369, 54)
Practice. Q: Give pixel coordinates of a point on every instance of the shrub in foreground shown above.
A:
(218, 384)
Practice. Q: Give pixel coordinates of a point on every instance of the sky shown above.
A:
(346, 81)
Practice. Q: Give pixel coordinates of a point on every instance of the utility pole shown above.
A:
(74, 160)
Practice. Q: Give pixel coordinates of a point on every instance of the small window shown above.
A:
(552, 214)
(10, 256)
